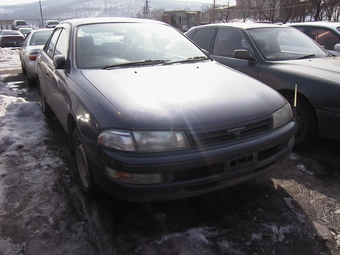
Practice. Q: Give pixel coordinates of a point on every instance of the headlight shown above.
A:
(116, 139)
(146, 141)
(282, 116)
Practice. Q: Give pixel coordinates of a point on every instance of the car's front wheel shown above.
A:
(85, 175)
(306, 120)
(31, 82)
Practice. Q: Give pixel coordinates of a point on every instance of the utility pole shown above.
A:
(146, 8)
(42, 20)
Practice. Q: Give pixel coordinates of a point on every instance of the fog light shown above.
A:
(135, 178)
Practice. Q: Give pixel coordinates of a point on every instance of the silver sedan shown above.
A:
(34, 41)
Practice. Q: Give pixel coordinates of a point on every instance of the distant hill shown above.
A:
(65, 9)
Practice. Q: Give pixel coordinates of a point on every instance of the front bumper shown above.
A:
(193, 172)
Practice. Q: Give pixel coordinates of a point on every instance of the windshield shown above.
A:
(121, 44)
(21, 23)
(285, 43)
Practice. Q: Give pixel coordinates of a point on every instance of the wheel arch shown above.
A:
(304, 102)
(289, 95)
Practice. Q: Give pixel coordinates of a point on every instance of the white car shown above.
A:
(25, 30)
(34, 41)
(325, 33)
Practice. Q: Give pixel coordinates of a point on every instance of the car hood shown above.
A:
(323, 68)
(183, 96)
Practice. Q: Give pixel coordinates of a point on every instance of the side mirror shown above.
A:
(59, 62)
(243, 54)
(337, 47)
(205, 51)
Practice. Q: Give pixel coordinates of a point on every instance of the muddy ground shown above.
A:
(294, 209)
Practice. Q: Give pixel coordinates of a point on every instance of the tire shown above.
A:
(46, 109)
(31, 82)
(305, 116)
(85, 179)
(24, 71)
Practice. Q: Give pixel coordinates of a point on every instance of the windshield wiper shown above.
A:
(191, 59)
(306, 56)
(137, 63)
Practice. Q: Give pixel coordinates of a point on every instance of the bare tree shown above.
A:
(332, 9)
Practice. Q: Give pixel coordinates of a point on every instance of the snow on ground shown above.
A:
(24, 165)
(9, 60)
(35, 214)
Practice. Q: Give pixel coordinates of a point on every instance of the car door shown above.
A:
(226, 41)
(59, 81)
(45, 69)
(221, 42)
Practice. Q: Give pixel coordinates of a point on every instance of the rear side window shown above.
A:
(202, 37)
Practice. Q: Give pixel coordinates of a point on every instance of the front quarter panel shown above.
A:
(90, 109)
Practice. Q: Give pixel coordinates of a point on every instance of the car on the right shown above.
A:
(283, 58)
(326, 33)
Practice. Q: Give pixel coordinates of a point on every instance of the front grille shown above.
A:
(203, 138)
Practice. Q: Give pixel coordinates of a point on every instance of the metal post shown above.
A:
(41, 15)
(295, 100)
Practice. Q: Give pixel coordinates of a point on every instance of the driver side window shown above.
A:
(227, 41)
(62, 44)
(52, 43)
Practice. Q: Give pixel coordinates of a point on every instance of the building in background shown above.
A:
(182, 20)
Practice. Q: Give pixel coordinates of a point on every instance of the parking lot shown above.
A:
(294, 209)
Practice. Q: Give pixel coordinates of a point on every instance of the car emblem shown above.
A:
(236, 129)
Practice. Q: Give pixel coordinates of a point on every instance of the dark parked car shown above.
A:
(28, 52)
(149, 116)
(282, 57)
(325, 33)
(51, 23)
(11, 38)
(18, 24)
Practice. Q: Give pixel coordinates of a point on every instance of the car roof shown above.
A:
(11, 32)
(41, 30)
(328, 24)
(244, 25)
(76, 22)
